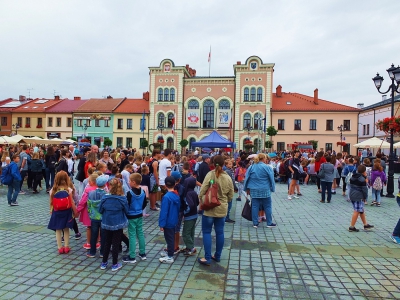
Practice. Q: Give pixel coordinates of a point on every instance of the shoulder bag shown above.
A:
(321, 173)
(210, 199)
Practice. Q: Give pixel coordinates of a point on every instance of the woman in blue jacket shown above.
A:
(259, 183)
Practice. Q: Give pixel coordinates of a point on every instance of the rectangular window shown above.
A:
(28, 122)
(19, 121)
(281, 124)
(328, 146)
(88, 123)
(39, 122)
(106, 123)
(313, 124)
(50, 122)
(79, 123)
(129, 142)
(120, 124)
(346, 125)
(367, 129)
(69, 122)
(119, 142)
(97, 123)
(280, 146)
(129, 124)
(58, 123)
(3, 121)
(297, 124)
(329, 124)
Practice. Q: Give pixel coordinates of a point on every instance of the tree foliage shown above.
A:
(271, 131)
(107, 142)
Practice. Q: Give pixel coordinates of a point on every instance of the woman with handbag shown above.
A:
(216, 215)
(319, 160)
(327, 176)
(259, 183)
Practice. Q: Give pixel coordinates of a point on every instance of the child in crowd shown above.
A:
(190, 214)
(83, 211)
(137, 164)
(93, 203)
(179, 188)
(14, 187)
(358, 196)
(378, 180)
(75, 198)
(90, 171)
(101, 167)
(228, 169)
(62, 210)
(126, 173)
(240, 174)
(114, 209)
(349, 168)
(185, 171)
(136, 203)
(145, 183)
(168, 219)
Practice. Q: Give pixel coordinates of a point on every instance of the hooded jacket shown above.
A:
(358, 187)
(15, 171)
(170, 206)
(135, 204)
(114, 209)
(93, 203)
(377, 173)
(191, 199)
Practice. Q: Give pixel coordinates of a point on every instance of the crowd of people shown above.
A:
(109, 192)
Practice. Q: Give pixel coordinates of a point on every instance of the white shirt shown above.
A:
(164, 167)
(125, 176)
(70, 165)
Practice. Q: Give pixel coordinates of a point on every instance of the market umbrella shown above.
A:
(373, 143)
(8, 140)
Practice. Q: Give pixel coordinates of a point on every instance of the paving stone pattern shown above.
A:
(309, 255)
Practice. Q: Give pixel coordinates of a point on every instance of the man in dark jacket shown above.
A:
(81, 165)
(204, 168)
(62, 163)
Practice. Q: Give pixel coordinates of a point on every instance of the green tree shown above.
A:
(184, 144)
(314, 144)
(144, 144)
(107, 142)
(271, 131)
(269, 144)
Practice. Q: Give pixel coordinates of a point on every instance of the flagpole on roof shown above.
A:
(209, 63)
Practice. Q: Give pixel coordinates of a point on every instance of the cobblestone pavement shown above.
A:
(309, 255)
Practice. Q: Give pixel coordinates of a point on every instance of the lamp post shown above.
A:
(16, 126)
(394, 74)
(84, 127)
(341, 128)
(161, 128)
(248, 128)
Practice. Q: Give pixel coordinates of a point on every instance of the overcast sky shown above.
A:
(99, 48)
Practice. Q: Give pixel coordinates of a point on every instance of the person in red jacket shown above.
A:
(319, 160)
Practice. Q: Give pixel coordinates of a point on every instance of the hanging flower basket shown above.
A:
(341, 144)
(387, 124)
(160, 141)
(248, 146)
(248, 142)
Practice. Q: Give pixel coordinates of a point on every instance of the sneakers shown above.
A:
(373, 203)
(67, 249)
(164, 253)
(21, 193)
(229, 221)
(155, 209)
(378, 204)
(61, 250)
(272, 225)
(90, 255)
(238, 199)
(116, 267)
(255, 226)
(188, 252)
(142, 256)
(97, 245)
(353, 229)
(166, 260)
(367, 227)
(86, 246)
(128, 259)
(14, 203)
(295, 196)
(103, 265)
(395, 239)
(289, 197)
(78, 236)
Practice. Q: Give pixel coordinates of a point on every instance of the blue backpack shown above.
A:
(6, 176)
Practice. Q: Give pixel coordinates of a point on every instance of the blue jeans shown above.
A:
(13, 187)
(169, 235)
(396, 231)
(229, 209)
(23, 175)
(206, 226)
(95, 228)
(50, 173)
(326, 186)
(376, 195)
(255, 207)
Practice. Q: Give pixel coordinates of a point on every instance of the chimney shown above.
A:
(187, 67)
(360, 105)
(384, 97)
(279, 91)
(146, 96)
(109, 97)
(77, 98)
(22, 98)
(56, 97)
(316, 96)
(238, 63)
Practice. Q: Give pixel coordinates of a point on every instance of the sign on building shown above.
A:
(223, 118)
(193, 118)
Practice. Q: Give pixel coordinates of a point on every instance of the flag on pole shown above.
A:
(230, 123)
(143, 123)
(209, 55)
(173, 123)
(265, 124)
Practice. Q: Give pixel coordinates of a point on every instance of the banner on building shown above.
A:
(223, 118)
(193, 118)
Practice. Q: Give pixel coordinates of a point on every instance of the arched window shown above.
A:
(224, 104)
(246, 120)
(257, 145)
(246, 94)
(193, 104)
(192, 140)
(259, 94)
(257, 121)
(161, 120)
(208, 114)
(244, 142)
(160, 94)
(166, 94)
(172, 94)
(253, 94)
(170, 118)
(170, 143)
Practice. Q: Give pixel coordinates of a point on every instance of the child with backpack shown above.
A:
(136, 198)
(347, 173)
(62, 209)
(240, 174)
(378, 180)
(190, 213)
(11, 177)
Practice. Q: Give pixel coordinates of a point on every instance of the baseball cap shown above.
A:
(205, 156)
(102, 180)
(170, 181)
(177, 175)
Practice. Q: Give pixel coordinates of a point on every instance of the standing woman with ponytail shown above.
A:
(215, 216)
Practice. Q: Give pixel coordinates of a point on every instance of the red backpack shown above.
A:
(62, 200)
(241, 174)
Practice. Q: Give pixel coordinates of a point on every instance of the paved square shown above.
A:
(309, 255)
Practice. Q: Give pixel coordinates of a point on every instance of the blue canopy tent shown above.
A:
(214, 140)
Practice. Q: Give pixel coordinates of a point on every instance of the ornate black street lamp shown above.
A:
(394, 74)
(16, 126)
(341, 128)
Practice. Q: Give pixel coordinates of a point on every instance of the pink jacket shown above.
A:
(82, 206)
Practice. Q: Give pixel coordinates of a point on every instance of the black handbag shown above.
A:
(321, 173)
(246, 212)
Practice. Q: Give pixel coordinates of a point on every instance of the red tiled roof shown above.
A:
(13, 104)
(133, 106)
(36, 105)
(99, 105)
(300, 102)
(66, 106)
